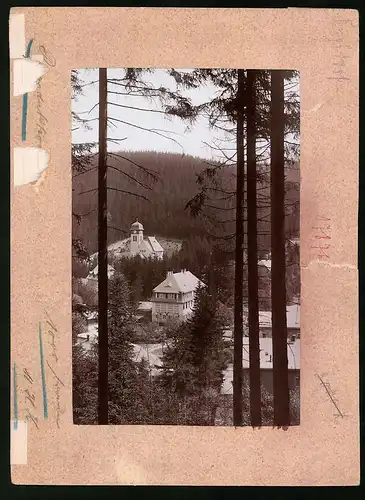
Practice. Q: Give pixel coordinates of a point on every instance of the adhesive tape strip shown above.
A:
(29, 163)
(26, 73)
(18, 442)
(17, 36)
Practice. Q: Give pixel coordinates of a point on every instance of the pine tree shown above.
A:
(122, 372)
(194, 362)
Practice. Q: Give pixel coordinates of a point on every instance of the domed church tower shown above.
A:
(136, 237)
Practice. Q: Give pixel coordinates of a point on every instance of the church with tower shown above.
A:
(147, 247)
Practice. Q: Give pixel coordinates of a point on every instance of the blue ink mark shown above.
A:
(15, 400)
(25, 100)
(30, 43)
(44, 388)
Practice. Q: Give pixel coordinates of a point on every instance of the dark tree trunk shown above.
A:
(102, 254)
(253, 302)
(238, 300)
(278, 288)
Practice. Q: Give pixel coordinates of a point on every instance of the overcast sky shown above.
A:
(190, 141)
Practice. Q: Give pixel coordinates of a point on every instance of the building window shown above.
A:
(134, 238)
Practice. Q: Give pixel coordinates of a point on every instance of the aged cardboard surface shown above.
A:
(324, 449)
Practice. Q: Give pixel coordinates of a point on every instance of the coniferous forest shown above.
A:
(232, 220)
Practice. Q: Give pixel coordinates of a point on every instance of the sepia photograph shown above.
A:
(186, 247)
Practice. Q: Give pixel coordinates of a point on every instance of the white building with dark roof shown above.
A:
(147, 247)
(174, 298)
(266, 365)
(292, 322)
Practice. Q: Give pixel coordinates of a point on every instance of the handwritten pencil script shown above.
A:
(343, 52)
(42, 121)
(29, 398)
(52, 363)
(331, 395)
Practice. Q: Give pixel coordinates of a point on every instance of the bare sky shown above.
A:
(192, 141)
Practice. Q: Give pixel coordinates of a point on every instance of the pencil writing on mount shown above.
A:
(331, 396)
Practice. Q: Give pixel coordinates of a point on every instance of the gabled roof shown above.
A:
(266, 356)
(265, 263)
(145, 306)
(292, 317)
(266, 360)
(150, 244)
(185, 281)
(156, 247)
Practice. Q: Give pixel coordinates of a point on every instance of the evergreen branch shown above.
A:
(94, 190)
(129, 192)
(148, 171)
(84, 172)
(79, 216)
(152, 131)
(130, 177)
(112, 139)
(138, 109)
(90, 110)
(118, 229)
(221, 208)
(89, 83)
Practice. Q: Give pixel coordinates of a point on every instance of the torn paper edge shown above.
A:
(18, 442)
(325, 263)
(16, 36)
(26, 73)
(29, 164)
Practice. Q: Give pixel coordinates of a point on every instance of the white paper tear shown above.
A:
(29, 163)
(18, 442)
(26, 73)
(17, 36)
(328, 264)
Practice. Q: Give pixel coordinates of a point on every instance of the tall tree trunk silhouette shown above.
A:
(278, 288)
(238, 300)
(253, 301)
(102, 253)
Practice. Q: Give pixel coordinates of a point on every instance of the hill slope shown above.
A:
(159, 205)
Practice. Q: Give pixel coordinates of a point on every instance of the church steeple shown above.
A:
(136, 236)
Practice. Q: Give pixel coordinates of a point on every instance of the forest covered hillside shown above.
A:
(156, 187)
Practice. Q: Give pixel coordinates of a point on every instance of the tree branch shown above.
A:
(130, 177)
(152, 131)
(128, 192)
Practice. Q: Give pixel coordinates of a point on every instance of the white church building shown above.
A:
(147, 247)
(174, 297)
